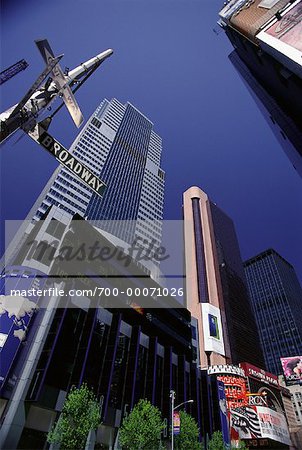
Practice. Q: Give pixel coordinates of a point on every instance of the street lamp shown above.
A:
(173, 408)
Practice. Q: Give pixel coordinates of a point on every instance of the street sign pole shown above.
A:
(67, 159)
(172, 395)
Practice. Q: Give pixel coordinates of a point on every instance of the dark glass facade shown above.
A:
(123, 173)
(123, 354)
(278, 88)
(277, 300)
(200, 255)
(242, 330)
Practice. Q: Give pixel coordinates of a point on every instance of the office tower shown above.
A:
(215, 285)
(266, 37)
(119, 145)
(276, 298)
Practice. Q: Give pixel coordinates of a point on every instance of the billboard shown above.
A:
(255, 422)
(282, 38)
(259, 374)
(292, 369)
(289, 28)
(260, 382)
(212, 329)
(235, 390)
(273, 425)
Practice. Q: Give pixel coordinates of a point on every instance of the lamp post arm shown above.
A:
(183, 403)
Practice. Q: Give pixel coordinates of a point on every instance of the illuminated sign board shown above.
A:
(226, 368)
(255, 422)
(212, 329)
(292, 369)
(259, 374)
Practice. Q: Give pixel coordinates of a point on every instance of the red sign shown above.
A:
(235, 390)
(260, 374)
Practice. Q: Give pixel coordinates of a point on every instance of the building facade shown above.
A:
(266, 35)
(118, 144)
(276, 297)
(122, 348)
(285, 129)
(215, 285)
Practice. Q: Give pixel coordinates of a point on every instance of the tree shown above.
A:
(80, 414)
(241, 446)
(188, 438)
(142, 428)
(216, 443)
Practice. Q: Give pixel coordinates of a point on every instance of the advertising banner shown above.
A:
(223, 414)
(289, 28)
(245, 423)
(282, 38)
(255, 422)
(292, 369)
(176, 422)
(212, 329)
(273, 425)
(259, 374)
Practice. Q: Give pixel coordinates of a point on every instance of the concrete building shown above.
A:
(125, 347)
(215, 285)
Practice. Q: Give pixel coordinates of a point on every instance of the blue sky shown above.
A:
(170, 64)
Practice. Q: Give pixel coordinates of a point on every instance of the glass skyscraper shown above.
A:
(277, 300)
(118, 144)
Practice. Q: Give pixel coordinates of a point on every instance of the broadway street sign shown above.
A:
(66, 158)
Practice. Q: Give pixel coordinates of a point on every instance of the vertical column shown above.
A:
(151, 371)
(132, 366)
(109, 360)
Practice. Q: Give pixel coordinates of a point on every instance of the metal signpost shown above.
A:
(38, 98)
(175, 428)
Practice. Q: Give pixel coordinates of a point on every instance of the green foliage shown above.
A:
(189, 433)
(241, 446)
(216, 443)
(142, 428)
(80, 414)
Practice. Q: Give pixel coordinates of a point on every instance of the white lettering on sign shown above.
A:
(69, 161)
